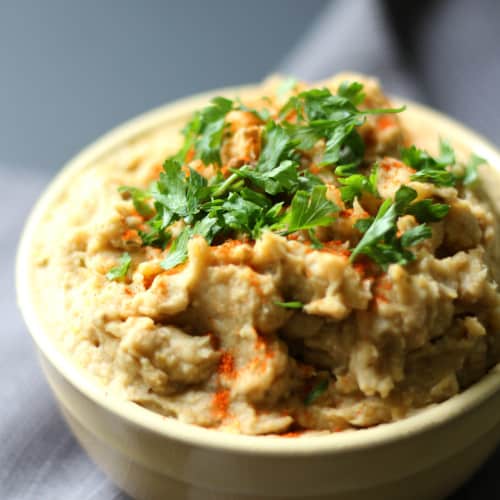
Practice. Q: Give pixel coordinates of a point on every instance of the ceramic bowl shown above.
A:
(425, 456)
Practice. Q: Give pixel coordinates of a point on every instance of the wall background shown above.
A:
(69, 71)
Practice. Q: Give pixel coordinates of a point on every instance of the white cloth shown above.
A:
(39, 458)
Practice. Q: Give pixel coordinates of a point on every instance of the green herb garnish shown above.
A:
(316, 392)
(380, 241)
(309, 210)
(293, 304)
(471, 175)
(439, 170)
(277, 192)
(353, 186)
(322, 115)
(140, 199)
(205, 131)
(120, 271)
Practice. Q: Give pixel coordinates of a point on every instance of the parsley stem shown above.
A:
(222, 189)
(382, 111)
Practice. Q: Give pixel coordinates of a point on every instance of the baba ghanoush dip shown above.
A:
(290, 263)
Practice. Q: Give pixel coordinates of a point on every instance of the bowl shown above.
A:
(425, 456)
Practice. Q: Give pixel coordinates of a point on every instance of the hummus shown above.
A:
(287, 328)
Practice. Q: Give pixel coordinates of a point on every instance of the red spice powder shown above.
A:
(381, 286)
(156, 170)
(360, 268)
(130, 234)
(314, 169)
(389, 163)
(254, 281)
(175, 270)
(384, 285)
(148, 281)
(260, 360)
(291, 116)
(346, 213)
(386, 121)
(228, 245)
(190, 155)
(336, 247)
(381, 299)
(226, 365)
(220, 403)
(135, 213)
(291, 434)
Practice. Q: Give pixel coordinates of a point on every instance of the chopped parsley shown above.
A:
(353, 186)
(440, 170)
(120, 271)
(470, 175)
(316, 392)
(278, 191)
(309, 210)
(140, 199)
(205, 131)
(294, 304)
(287, 86)
(381, 242)
(334, 118)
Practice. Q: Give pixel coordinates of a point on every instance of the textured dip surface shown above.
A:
(277, 330)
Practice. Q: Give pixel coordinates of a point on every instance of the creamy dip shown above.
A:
(283, 332)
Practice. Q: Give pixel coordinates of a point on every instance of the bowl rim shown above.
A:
(168, 427)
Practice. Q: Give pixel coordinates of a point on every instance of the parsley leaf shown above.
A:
(428, 211)
(294, 304)
(471, 175)
(309, 210)
(283, 178)
(316, 392)
(286, 86)
(180, 194)
(212, 129)
(354, 185)
(333, 118)
(205, 131)
(178, 252)
(353, 91)
(241, 214)
(383, 223)
(121, 270)
(415, 235)
(156, 235)
(277, 142)
(140, 199)
(437, 176)
(431, 169)
(380, 241)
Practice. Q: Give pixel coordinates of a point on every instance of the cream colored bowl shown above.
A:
(425, 456)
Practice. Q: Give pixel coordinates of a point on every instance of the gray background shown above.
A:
(71, 70)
